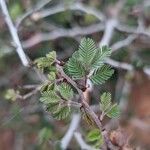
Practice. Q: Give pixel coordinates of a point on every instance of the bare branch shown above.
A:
(14, 34)
(117, 64)
(40, 5)
(147, 70)
(123, 43)
(58, 33)
(28, 95)
(109, 29)
(133, 30)
(74, 6)
(69, 134)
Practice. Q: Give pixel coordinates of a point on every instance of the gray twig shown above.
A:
(14, 34)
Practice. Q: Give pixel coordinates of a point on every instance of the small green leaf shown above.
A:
(47, 87)
(44, 135)
(105, 101)
(65, 91)
(87, 51)
(51, 56)
(49, 97)
(102, 74)
(11, 94)
(114, 112)
(51, 76)
(106, 106)
(61, 113)
(44, 62)
(51, 107)
(93, 135)
(100, 56)
(75, 67)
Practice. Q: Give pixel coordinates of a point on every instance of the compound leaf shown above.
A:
(65, 91)
(44, 62)
(114, 112)
(49, 97)
(75, 67)
(87, 51)
(62, 112)
(100, 56)
(95, 137)
(105, 101)
(102, 74)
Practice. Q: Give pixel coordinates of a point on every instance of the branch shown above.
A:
(40, 5)
(74, 6)
(123, 43)
(69, 134)
(14, 34)
(28, 95)
(109, 29)
(117, 64)
(58, 33)
(133, 30)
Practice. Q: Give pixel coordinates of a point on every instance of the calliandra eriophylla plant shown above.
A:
(87, 63)
(58, 93)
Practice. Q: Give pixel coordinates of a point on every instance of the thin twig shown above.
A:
(117, 64)
(14, 34)
(40, 5)
(58, 33)
(109, 29)
(123, 43)
(133, 30)
(28, 95)
(75, 6)
(69, 134)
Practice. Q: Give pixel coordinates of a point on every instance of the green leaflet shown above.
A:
(51, 56)
(44, 135)
(100, 56)
(62, 112)
(105, 101)
(87, 51)
(65, 91)
(47, 87)
(44, 62)
(76, 68)
(51, 76)
(49, 97)
(52, 107)
(102, 74)
(95, 137)
(11, 94)
(51, 100)
(114, 112)
(106, 106)
(54, 104)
